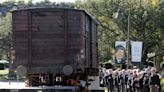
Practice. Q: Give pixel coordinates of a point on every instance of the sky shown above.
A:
(34, 1)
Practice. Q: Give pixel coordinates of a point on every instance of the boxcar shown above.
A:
(48, 42)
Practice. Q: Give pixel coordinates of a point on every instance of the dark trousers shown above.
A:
(116, 88)
(130, 89)
(154, 88)
(110, 88)
(145, 88)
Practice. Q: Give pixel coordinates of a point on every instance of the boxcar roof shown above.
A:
(54, 9)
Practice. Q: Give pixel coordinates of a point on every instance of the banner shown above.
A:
(136, 50)
(120, 52)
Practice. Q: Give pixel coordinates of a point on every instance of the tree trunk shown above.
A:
(144, 56)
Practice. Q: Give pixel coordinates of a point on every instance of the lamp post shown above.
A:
(128, 40)
(128, 34)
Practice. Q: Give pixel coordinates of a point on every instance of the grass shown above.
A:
(4, 74)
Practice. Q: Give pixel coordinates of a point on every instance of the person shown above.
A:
(130, 82)
(120, 55)
(101, 75)
(116, 81)
(154, 81)
(109, 80)
(144, 83)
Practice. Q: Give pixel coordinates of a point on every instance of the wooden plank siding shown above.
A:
(94, 45)
(52, 38)
(20, 37)
(47, 44)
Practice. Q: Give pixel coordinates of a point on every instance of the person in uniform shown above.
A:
(116, 82)
(122, 81)
(130, 82)
(154, 81)
(144, 84)
(109, 80)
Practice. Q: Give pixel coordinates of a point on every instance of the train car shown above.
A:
(49, 43)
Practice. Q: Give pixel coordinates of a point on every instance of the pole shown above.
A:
(128, 42)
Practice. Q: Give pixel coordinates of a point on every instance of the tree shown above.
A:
(101, 9)
(5, 34)
(146, 22)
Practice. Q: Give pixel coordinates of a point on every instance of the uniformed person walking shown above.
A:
(154, 81)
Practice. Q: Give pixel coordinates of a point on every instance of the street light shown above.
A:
(128, 38)
(128, 34)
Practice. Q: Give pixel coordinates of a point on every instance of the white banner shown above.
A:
(136, 50)
(120, 52)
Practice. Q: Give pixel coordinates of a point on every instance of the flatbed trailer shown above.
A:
(45, 89)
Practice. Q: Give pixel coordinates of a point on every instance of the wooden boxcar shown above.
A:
(45, 40)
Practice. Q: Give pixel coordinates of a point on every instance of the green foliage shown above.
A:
(102, 9)
(162, 64)
(162, 84)
(146, 23)
(5, 42)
